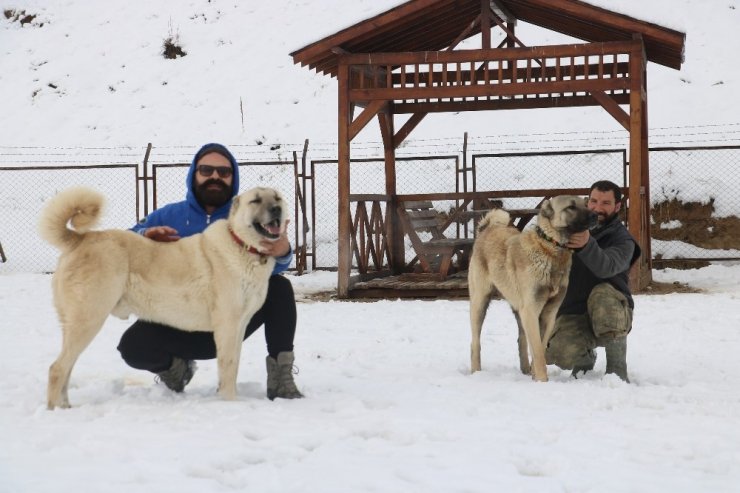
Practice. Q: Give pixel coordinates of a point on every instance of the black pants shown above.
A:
(151, 346)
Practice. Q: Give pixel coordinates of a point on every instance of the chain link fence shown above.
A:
(695, 204)
(694, 214)
(25, 190)
(546, 170)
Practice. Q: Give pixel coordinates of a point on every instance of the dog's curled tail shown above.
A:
(80, 207)
(494, 218)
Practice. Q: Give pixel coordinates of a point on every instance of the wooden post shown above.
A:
(639, 196)
(393, 223)
(344, 257)
(485, 24)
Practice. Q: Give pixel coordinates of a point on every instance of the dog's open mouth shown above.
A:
(269, 230)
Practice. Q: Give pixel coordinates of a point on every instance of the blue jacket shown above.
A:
(189, 218)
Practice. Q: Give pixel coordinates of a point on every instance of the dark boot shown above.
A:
(616, 357)
(583, 364)
(280, 377)
(178, 375)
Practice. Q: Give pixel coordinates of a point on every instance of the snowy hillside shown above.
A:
(86, 74)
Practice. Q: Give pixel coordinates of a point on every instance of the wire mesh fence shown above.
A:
(546, 170)
(695, 204)
(694, 213)
(23, 192)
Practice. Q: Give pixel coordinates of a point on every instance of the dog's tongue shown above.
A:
(273, 228)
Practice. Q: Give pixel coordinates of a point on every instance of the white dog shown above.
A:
(212, 281)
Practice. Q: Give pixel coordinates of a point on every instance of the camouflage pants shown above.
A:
(575, 337)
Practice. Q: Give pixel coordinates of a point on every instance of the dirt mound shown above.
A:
(693, 222)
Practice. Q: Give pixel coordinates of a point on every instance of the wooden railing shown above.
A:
(370, 246)
(494, 75)
(371, 221)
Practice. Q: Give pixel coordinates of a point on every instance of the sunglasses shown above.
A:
(207, 170)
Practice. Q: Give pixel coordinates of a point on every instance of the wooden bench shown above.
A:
(420, 217)
(480, 207)
(519, 217)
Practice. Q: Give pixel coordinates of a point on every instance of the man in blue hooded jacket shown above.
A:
(212, 181)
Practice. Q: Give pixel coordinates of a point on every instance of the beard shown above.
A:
(212, 197)
(602, 220)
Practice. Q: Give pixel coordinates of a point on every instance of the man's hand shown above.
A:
(279, 247)
(578, 240)
(161, 233)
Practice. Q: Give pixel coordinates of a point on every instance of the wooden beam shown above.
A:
(367, 114)
(500, 10)
(407, 128)
(612, 108)
(507, 29)
(493, 90)
(503, 104)
(485, 24)
(362, 28)
(602, 17)
(464, 34)
(399, 58)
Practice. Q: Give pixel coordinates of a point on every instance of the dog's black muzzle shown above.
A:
(585, 220)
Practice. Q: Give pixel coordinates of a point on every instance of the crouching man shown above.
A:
(597, 309)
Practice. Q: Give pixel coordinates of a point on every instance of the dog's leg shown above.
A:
(228, 334)
(524, 365)
(547, 319)
(78, 332)
(228, 353)
(530, 322)
(479, 301)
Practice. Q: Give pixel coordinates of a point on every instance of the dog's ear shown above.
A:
(234, 206)
(546, 209)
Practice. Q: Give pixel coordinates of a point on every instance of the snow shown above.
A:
(390, 405)
(238, 85)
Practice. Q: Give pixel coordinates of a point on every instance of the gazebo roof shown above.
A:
(433, 25)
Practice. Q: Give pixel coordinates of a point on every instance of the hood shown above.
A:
(208, 148)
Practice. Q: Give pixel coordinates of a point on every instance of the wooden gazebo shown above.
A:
(405, 62)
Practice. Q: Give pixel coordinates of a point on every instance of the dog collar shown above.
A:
(250, 249)
(545, 237)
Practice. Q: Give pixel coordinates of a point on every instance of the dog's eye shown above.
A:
(258, 200)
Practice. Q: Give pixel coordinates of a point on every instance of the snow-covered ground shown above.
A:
(390, 405)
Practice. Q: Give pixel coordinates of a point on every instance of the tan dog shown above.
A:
(529, 270)
(212, 281)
